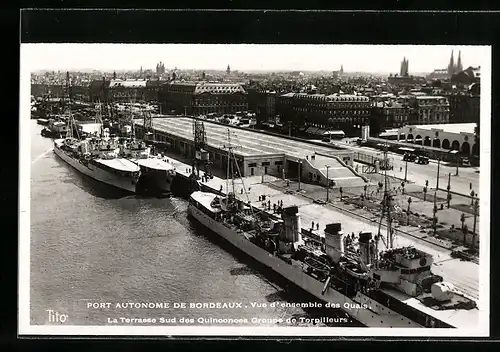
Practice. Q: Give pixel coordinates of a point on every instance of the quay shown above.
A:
(260, 153)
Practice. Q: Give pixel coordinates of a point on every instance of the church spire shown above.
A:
(459, 67)
(228, 70)
(451, 66)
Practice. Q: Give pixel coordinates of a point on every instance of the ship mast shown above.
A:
(388, 201)
(386, 208)
(71, 122)
(228, 160)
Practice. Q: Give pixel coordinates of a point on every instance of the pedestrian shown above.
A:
(400, 169)
(312, 226)
(317, 226)
(221, 188)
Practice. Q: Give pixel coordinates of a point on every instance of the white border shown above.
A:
(24, 327)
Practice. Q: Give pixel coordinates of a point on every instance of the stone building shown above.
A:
(340, 112)
(201, 98)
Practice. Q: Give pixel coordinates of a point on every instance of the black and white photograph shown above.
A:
(254, 189)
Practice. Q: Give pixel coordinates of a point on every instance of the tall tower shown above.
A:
(459, 67)
(228, 70)
(140, 72)
(451, 65)
(403, 71)
(341, 69)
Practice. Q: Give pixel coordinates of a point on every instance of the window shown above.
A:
(252, 165)
(266, 163)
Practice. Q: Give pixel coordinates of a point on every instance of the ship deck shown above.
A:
(119, 164)
(205, 199)
(459, 318)
(155, 163)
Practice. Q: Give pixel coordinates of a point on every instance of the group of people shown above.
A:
(277, 207)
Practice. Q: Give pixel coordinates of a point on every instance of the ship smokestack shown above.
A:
(364, 247)
(334, 241)
(291, 230)
(292, 225)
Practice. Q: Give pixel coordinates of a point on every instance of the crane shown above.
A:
(202, 156)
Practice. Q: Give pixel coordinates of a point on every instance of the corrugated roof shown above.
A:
(219, 88)
(128, 83)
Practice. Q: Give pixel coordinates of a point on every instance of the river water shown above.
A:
(93, 246)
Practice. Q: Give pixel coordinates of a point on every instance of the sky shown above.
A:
(247, 57)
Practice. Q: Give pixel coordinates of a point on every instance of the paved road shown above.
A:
(420, 173)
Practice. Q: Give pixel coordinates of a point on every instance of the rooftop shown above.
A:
(425, 97)
(329, 98)
(246, 142)
(218, 88)
(449, 127)
(129, 83)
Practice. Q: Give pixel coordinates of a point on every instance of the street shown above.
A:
(419, 173)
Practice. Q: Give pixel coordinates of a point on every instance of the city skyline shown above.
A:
(248, 57)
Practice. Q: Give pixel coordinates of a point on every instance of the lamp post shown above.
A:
(448, 197)
(434, 210)
(437, 179)
(408, 213)
(327, 183)
(476, 205)
(299, 162)
(406, 170)
(462, 220)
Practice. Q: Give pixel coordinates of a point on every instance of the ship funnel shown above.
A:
(292, 225)
(366, 247)
(334, 241)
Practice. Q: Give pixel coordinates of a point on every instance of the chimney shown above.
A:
(364, 247)
(334, 241)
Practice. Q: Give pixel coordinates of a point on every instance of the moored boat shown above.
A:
(390, 288)
(157, 173)
(98, 159)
